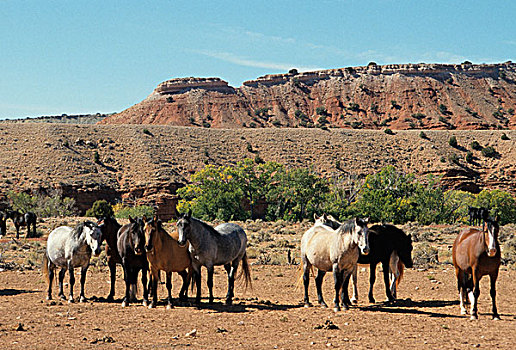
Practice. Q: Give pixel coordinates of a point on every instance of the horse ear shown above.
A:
(189, 214)
(325, 218)
(365, 220)
(315, 217)
(131, 220)
(144, 218)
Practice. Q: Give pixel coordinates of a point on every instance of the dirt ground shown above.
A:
(268, 316)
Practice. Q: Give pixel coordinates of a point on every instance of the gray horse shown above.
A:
(333, 250)
(69, 248)
(223, 245)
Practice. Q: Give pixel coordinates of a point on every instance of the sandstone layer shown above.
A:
(405, 96)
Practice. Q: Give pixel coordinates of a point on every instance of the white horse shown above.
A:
(333, 250)
(69, 248)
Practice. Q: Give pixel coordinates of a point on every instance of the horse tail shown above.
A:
(300, 275)
(44, 267)
(401, 268)
(246, 272)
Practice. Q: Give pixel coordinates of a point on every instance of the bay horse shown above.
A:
(69, 248)
(27, 219)
(476, 253)
(131, 248)
(165, 254)
(333, 250)
(389, 246)
(223, 245)
(109, 227)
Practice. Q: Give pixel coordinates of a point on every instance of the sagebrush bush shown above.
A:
(425, 255)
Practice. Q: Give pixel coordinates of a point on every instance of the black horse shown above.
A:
(3, 226)
(28, 219)
(109, 227)
(478, 216)
(131, 247)
(383, 241)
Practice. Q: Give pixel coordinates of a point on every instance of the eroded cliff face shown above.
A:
(409, 96)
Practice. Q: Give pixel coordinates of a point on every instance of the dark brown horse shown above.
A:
(27, 219)
(3, 226)
(476, 253)
(109, 227)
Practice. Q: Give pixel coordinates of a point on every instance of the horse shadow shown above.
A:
(242, 306)
(408, 306)
(11, 292)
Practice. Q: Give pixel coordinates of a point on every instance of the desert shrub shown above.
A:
(100, 208)
(21, 201)
(54, 205)
(509, 252)
(476, 146)
(321, 111)
(488, 151)
(425, 255)
(147, 132)
(422, 135)
(469, 157)
(388, 131)
(453, 158)
(293, 71)
(96, 157)
(123, 212)
(354, 107)
(504, 137)
(453, 141)
(206, 124)
(443, 109)
(498, 202)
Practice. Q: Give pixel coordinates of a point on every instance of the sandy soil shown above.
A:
(268, 316)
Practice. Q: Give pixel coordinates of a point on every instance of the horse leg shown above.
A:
(197, 276)
(50, 280)
(337, 279)
(61, 279)
(306, 279)
(318, 284)
(84, 270)
(461, 285)
(112, 273)
(474, 294)
(210, 283)
(231, 281)
(372, 279)
(127, 297)
(169, 290)
(154, 275)
(492, 278)
(393, 272)
(183, 293)
(346, 275)
(17, 230)
(354, 298)
(145, 287)
(72, 282)
(385, 267)
(28, 231)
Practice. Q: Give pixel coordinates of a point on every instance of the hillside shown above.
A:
(406, 96)
(140, 164)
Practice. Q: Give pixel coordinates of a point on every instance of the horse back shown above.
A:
(317, 245)
(169, 255)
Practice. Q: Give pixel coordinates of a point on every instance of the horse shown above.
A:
(333, 250)
(476, 253)
(109, 227)
(477, 216)
(3, 226)
(131, 248)
(69, 248)
(223, 245)
(27, 219)
(390, 246)
(165, 254)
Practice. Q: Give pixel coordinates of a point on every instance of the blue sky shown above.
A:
(104, 56)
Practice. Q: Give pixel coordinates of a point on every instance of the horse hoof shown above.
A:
(151, 306)
(49, 297)
(496, 318)
(307, 305)
(323, 305)
(145, 303)
(473, 317)
(229, 302)
(70, 301)
(82, 299)
(169, 306)
(463, 312)
(336, 309)
(354, 301)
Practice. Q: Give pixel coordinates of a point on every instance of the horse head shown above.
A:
(492, 236)
(93, 236)
(362, 235)
(151, 227)
(404, 250)
(136, 235)
(184, 227)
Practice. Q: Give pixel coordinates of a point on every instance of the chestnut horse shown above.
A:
(477, 253)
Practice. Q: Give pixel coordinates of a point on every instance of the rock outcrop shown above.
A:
(405, 96)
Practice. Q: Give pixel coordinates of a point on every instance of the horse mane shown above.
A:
(77, 231)
(208, 227)
(347, 227)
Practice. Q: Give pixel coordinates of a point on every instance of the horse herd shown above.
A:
(143, 245)
(27, 219)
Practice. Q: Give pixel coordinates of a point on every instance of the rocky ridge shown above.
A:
(404, 96)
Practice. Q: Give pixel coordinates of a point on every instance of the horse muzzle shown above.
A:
(491, 253)
(364, 251)
(181, 244)
(138, 251)
(148, 248)
(97, 252)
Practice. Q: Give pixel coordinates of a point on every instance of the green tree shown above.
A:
(100, 208)
(21, 201)
(498, 202)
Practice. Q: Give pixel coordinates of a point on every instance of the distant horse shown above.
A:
(478, 216)
(28, 219)
(165, 254)
(69, 248)
(333, 250)
(109, 227)
(476, 253)
(3, 226)
(388, 245)
(131, 247)
(223, 245)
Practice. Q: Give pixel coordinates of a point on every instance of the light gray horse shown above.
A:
(223, 245)
(333, 250)
(69, 248)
